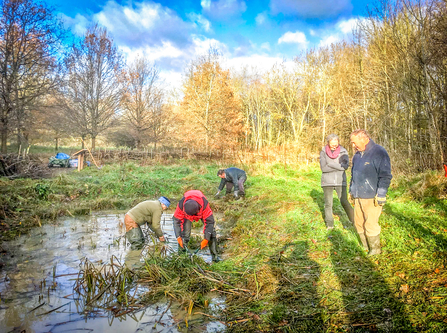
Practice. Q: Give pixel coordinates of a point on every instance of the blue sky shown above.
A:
(255, 33)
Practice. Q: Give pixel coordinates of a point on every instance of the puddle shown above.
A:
(36, 283)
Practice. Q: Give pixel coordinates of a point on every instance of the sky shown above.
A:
(253, 33)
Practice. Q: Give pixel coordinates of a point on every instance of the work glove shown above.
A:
(203, 244)
(236, 194)
(379, 201)
(217, 194)
(180, 241)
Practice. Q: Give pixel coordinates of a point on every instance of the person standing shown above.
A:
(370, 180)
(149, 212)
(232, 177)
(194, 206)
(334, 160)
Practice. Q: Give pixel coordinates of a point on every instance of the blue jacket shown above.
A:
(370, 172)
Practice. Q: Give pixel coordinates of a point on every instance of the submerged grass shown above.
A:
(283, 271)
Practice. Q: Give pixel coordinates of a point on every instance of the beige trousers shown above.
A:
(366, 217)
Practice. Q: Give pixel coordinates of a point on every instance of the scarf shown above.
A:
(332, 154)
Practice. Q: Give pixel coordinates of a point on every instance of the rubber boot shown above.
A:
(374, 245)
(364, 242)
(213, 249)
(136, 238)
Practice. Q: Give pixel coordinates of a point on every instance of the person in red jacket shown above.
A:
(194, 206)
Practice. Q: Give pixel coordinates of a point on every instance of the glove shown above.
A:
(379, 201)
(217, 194)
(236, 194)
(180, 241)
(203, 244)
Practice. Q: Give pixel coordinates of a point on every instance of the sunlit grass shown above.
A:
(291, 273)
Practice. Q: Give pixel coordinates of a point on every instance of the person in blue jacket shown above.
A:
(370, 179)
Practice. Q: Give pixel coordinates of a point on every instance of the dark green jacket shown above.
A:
(232, 175)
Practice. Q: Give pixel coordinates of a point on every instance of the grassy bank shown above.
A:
(283, 271)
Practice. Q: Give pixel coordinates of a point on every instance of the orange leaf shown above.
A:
(314, 241)
(437, 270)
(405, 288)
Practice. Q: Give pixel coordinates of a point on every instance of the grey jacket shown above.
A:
(334, 168)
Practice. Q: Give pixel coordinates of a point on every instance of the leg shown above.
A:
(241, 183)
(182, 228)
(343, 197)
(359, 222)
(371, 225)
(133, 233)
(213, 247)
(229, 187)
(328, 201)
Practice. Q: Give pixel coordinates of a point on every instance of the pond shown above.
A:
(36, 283)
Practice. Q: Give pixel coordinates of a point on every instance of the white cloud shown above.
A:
(261, 18)
(310, 9)
(200, 21)
(297, 37)
(347, 26)
(329, 40)
(223, 9)
(265, 46)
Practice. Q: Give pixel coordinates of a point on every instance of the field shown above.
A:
(283, 271)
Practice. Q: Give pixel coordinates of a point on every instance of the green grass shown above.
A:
(283, 271)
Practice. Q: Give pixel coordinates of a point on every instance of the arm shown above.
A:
(223, 181)
(344, 161)
(384, 175)
(326, 166)
(156, 227)
(208, 227)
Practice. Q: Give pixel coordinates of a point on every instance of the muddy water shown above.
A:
(36, 283)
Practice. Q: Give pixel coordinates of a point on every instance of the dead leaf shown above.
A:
(405, 288)
(437, 270)
(314, 241)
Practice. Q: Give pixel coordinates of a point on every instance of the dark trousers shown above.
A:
(240, 182)
(342, 194)
(186, 232)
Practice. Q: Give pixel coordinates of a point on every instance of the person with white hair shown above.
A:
(334, 160)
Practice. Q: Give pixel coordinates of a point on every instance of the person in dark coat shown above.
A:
(370, 179)
(232, 177)
(334, 161)
(194, 206)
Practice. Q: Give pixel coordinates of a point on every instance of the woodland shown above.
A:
(388, 78)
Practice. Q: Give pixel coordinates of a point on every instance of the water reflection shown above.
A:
(36, 283)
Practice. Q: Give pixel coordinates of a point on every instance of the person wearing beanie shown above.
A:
(149, 212)
(194, 206)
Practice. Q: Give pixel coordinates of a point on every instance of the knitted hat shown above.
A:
(191, 207)
(164, 201)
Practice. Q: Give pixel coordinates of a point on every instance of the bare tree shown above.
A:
(143, 101)
(93, 88)
(29, 41)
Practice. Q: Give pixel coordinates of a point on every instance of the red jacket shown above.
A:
(205, 213)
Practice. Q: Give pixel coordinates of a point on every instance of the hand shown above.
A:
(379, 201)
(180, 241)
(236, 194)
(203, 244)
(217, 194)
(162, 239)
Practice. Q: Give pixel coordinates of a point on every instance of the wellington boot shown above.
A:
(213, 249)
(374, 245)
(136, 238)
(364, 242)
